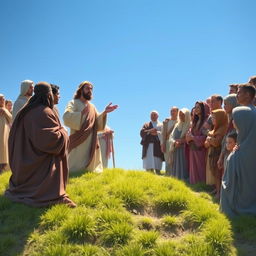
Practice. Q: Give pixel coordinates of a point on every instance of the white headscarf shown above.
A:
(184, 126)
(25, 86)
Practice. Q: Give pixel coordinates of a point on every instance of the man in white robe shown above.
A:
(151, 151)
(84, 121)
(168, 125)
(26, 91)
(106, 145)
(5, 121)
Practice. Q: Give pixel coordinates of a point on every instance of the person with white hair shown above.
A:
(177, 159)
(5, 121)
(150, 140)
(26, 91)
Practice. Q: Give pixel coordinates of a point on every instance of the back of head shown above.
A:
(252, 81)
(25, 86)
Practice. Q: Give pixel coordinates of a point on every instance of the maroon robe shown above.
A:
(148, 138)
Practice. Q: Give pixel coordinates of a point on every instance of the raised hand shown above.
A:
(109, 108)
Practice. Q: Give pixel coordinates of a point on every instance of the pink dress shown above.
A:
(197, 158)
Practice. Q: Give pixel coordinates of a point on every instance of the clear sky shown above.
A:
(140, 54)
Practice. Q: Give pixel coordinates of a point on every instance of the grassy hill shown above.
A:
(124, 213)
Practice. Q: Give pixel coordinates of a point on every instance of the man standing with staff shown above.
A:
(84, 121)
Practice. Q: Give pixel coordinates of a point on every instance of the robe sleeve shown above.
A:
(71, 117)
(101, 121)
(8, 116)
(143, 132)
(216, 141)
(47, 135)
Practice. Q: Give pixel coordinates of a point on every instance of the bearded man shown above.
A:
(84, 122)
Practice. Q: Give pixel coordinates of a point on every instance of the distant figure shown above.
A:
(252, 81)
(56, 96)
(8, 105)
(238, 195)
(216, 103)
(106, 145)
(38, 153)
(26, 91)
(233, 88)
(231, 140)
(150, 140)
(84, 122)
(168, 125)
(5, 121)
(213, 143)
(246, 95)
(178, 161)
(195, 139)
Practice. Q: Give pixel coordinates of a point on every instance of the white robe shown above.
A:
(79, 156)
(5, 121)
(150, 161)
(18, 104)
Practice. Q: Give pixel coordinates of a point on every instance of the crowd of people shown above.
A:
(36, 147)
(208, 144)
(211, 145)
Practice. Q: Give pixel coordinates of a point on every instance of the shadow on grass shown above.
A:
(17, 222)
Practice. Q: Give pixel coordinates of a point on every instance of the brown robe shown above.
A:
(37, 151)
(148, 138)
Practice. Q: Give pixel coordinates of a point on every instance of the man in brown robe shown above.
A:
(38, 153)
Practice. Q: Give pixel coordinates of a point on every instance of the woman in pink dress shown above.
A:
(195, 139)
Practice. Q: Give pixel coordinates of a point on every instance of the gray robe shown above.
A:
(238, 194)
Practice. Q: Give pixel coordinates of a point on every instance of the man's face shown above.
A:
(153, 116)
(215, 104)
(87, 92)
(174, 113)
(241, 96)
(56, 98)
(30, 91)
(2, 102)
(232, 89)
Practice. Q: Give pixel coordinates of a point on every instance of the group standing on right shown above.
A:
(211, 145)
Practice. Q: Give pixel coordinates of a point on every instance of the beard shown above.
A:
(87, 96)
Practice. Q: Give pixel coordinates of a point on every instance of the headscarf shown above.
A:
(25, 86)
(231, 100)
(40, 97)
(221, 122)
(183, 126)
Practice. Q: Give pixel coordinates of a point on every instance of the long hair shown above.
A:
(196, 117)
(42, 96)
(78, 92)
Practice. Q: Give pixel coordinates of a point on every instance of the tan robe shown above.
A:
(5, 121)
(38, 159)
(79, 156)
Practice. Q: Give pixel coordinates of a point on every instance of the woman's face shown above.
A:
(182, 116)
(9, 106)
(228, 108)
(198, 110)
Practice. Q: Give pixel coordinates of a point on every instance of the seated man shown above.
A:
(37, 151)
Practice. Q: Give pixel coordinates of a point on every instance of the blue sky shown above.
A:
(140, 54)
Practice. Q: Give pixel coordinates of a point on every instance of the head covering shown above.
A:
(40, 97)
(84, 83)
(244, 119)
(25, 86)
(1, 95)
(154, 111)
(231, 100)
(184, 126)
(221, 122)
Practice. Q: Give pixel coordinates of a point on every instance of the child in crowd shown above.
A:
(230, 144)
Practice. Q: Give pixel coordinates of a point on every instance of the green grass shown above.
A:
(123, 213)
